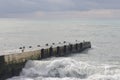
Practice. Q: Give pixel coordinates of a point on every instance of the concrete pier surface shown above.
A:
(12, 64)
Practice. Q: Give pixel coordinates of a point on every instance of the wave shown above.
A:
(67, 69)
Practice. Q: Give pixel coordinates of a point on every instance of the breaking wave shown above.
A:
(67, 69)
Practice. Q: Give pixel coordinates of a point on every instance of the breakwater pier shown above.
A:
(12, 64)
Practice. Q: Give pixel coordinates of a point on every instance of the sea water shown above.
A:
(101, 62)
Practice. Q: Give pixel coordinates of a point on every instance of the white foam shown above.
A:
(67, 69)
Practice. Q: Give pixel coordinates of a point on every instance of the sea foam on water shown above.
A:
(67, 69)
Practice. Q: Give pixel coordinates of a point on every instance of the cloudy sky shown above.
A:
(60, 9)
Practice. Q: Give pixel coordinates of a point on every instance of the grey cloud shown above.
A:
(31, 6)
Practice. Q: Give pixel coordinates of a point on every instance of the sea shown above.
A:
(101, 62)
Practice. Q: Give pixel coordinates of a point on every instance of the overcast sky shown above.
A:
(60, 9)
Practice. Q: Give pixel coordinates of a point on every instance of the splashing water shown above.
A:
(67, 69)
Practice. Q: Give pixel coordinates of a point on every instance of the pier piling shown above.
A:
(12, 64)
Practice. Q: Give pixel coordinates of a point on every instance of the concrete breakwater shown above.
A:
(12, 64)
